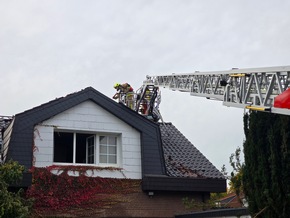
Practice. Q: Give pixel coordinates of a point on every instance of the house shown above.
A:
(88, 128)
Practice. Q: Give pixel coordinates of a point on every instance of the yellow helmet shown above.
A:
(117, 85)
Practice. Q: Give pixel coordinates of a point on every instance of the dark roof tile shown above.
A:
(182, 159)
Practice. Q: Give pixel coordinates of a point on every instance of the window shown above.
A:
(63, 147)
(86, 148)
(108, 149)
(90, 150)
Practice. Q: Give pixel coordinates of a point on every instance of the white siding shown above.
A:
(90, 117)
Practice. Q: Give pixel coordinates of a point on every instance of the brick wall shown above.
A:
(161, 204)
(126, 199)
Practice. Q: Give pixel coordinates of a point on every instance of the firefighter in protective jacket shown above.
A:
(126, 90)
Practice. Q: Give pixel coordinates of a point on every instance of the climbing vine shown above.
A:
(66, 192)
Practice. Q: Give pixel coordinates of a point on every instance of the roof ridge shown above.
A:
(56, 100)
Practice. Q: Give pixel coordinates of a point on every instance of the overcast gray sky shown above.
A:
(50, 48)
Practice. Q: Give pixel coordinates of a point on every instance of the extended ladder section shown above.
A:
(148, 101)
(145, 101)
(264, 89)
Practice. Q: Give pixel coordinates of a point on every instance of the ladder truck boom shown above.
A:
(263, 89)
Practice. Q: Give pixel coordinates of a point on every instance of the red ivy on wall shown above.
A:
(63, 192)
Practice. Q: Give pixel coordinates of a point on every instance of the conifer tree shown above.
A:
(266, 178)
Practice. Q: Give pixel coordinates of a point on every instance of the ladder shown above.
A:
(252, 88)
(148, 101)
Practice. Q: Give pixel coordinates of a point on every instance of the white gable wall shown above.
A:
(90, 117)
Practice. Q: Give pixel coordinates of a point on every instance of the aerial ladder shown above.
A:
(262, 89)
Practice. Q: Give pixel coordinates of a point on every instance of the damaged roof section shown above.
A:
(186, 168)
(182, 159)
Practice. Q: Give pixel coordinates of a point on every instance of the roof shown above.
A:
(232, 200)
(175, 170)
(187, 169)
(228, 198)
(182, 159)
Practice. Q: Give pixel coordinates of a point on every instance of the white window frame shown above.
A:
(98, 146)
(96, 136)
(87, 149)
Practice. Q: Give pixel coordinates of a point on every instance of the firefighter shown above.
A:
(128, 92)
